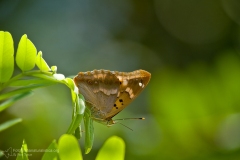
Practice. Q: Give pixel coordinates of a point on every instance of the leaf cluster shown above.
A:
(15, 87)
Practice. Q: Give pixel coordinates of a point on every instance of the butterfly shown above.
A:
(107, 92)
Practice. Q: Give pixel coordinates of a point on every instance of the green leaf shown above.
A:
(78, 115)
(89, 131)
(9, 123)
(52, 152)
(113, 148)
(6, 56)
(75, 123)
(23, 155)
(41, 63)
(69, 82)
(78, 132)
(69, 148)
(22, 90)
(80, 108)
(74, 100)
(26, 54)
(12, 100)
(45, 76)
(27, 82)
(75, 95)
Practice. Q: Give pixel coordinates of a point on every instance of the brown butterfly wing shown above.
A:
(100, 89)
(132, 84)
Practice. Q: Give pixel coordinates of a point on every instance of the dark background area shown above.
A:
(191, 105)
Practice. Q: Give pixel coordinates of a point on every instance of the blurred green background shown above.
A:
(192, 103)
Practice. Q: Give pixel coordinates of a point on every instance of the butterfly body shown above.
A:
(107, 93)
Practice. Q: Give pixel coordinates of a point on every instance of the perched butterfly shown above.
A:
(107, 93)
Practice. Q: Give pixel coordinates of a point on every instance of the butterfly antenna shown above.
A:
(117, 121)
(129, 118)
(125, 126)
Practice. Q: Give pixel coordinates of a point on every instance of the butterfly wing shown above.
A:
(131, 85)
(100, 89)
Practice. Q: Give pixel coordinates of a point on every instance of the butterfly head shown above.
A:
(110, 122)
